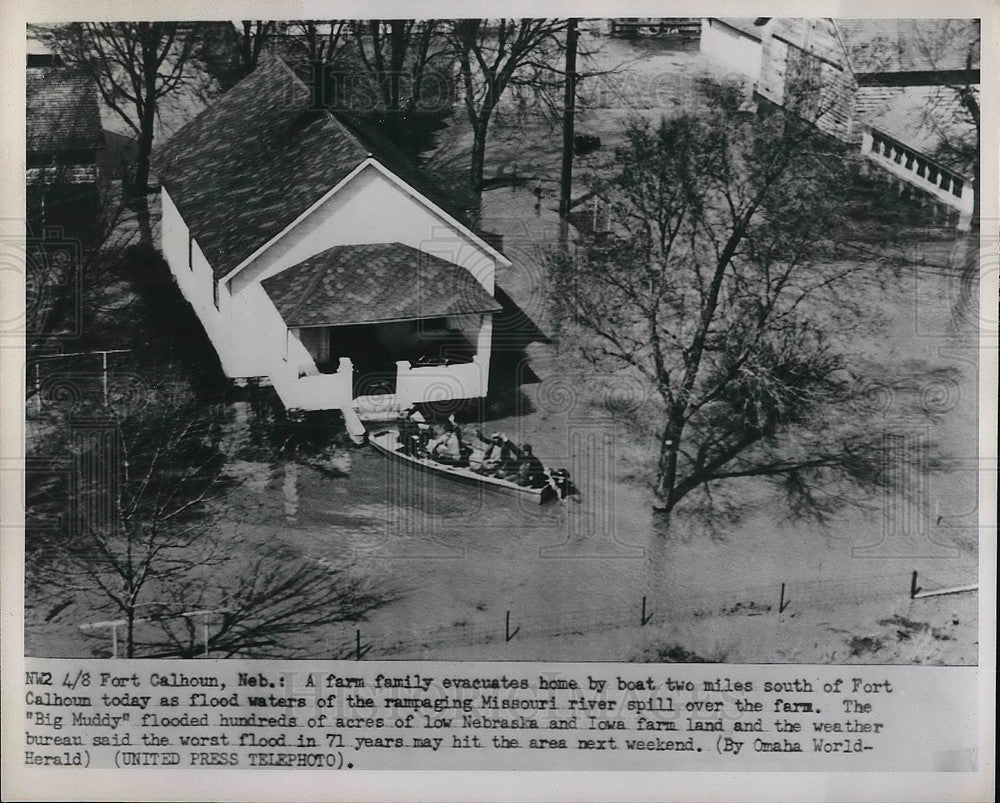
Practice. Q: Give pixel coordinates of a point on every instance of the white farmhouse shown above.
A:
(316, 257)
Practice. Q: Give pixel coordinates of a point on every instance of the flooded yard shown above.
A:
(577, 578)
(481, 576)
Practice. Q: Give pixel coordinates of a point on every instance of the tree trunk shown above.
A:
(478, 157)
(130, 633)
(666, 473)
(140, 175)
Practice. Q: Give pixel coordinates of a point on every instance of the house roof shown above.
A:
(932, 122)
(376, 282)
(62, 112)
(910, 45)
(745, 25)
(249, 165)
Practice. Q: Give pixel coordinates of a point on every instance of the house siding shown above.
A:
(793, 45)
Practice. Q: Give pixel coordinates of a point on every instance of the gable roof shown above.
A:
(373, 283)
(910, 45)
(62, 112)
(247, 167)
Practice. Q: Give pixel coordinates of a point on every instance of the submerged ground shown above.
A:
(574, 577)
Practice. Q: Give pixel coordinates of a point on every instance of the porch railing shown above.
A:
(440, 382)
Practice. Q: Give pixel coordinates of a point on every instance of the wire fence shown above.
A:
(772, 599)
(778, 601)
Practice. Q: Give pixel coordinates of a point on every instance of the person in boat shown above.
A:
(559, 480)
(530, 471)
(448, 447)
(496, 454)
(414, 431)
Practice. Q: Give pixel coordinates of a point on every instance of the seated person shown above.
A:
(530, 471)
(496, 454)
(411, 427)
(448, 447)
(559, 480)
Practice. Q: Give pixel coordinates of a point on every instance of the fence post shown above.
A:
(643, 619)
(508, 634)
(914, 588)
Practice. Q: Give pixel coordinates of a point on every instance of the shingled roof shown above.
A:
(373, 283)
(910, 45)
(62, 112)
(249, 165)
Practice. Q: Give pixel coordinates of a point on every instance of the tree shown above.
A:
(495, 56)
(270, 608)
(399, 58)
(140, 524)
(394, 74)
(254, 36)
(146, 542)
(69, 277)
(324, 41)
(719, 287)
(135, 65)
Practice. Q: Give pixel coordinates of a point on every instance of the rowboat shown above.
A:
(387, 442)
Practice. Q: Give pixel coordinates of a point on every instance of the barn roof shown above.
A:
(910, 45)
(62, 112)
(372, 283)
(249, 165)
(745, 25)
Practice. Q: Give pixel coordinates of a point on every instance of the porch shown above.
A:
(381, 322)
(421, 360)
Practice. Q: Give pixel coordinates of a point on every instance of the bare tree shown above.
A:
(140, 524)
(271, 606)
(254, 37)
(324, 40)
(397, 54)
(147, 542)
(495, 56)
(720, 287)
(135, 65)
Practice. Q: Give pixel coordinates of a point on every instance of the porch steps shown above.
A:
(382, 407)
(355, 428)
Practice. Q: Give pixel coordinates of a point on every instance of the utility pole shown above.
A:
(569, 113)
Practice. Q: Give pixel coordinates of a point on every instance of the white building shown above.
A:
(317, 258)
(734, 42)
(891, 86)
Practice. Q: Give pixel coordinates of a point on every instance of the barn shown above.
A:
(895, 88)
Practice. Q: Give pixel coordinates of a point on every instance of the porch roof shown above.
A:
(374, 283)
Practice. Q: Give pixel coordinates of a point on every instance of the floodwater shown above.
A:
(473, 568)
(464, 559)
